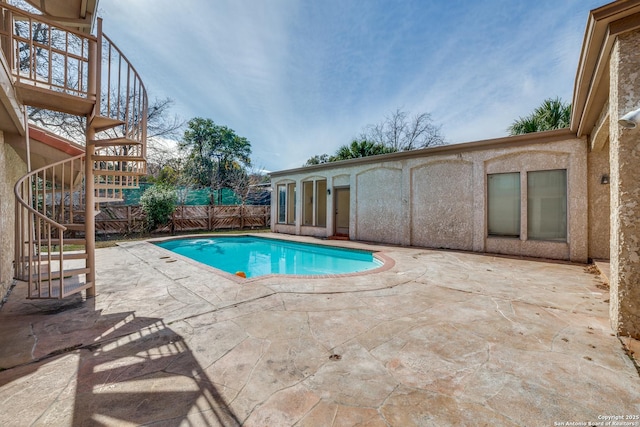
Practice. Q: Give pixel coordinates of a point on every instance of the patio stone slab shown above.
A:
(440, 338)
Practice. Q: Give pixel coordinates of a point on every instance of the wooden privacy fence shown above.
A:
(130, 219)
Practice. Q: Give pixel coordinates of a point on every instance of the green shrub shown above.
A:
(158, 203)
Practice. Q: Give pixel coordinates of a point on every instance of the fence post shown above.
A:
(265, 216)
(209, 217)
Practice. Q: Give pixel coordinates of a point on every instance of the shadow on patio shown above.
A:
(128, 370)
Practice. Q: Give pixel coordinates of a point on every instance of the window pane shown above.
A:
(321, 203)
(547, 205)
(307, 206)
(282, 204)
(291, 203)
(504, 204)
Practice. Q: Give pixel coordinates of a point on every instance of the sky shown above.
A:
(302, 77)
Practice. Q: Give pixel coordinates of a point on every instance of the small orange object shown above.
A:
(241, 274)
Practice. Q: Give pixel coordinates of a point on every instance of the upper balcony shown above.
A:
(55, 64)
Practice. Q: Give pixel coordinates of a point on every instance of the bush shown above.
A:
(158, 203)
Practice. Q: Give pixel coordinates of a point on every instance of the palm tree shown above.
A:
(551, 114)
(360, 148)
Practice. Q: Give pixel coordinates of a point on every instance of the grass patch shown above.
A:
(55, 248)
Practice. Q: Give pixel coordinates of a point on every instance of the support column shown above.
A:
(95, 55)
(624, 96)
(89, 214)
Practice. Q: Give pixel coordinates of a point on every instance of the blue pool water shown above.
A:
(257, 256)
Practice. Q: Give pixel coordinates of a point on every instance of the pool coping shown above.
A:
(387, 261)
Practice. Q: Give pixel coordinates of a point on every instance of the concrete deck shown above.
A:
(441, 338)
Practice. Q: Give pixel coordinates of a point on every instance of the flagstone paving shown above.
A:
(439, 338)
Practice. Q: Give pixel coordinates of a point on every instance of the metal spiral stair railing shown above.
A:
(56, 204)
(50, 243)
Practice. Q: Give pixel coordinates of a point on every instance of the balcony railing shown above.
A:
(61, 69)
(45, 58)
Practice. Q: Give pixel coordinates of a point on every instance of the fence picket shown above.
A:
(130, 219)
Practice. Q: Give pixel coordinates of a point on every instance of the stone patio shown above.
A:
(440, 338)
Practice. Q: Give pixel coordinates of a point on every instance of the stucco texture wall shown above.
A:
(599, 203)
(624, 96)
(12, 167)
(437, 199)
(442, 205)
(378, 205)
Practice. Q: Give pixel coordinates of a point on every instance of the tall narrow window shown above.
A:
(547, 205)
(504, 204)
(307, 204)
(291, 203)
(321, 203)
(282, 204)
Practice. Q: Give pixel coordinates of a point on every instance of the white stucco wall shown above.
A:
(378, 202)
(442, 204)
(437, 198)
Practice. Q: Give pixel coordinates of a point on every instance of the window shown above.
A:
(291, 203)
(287, 203)
(307, 204)
(547, 205)
(503, 193)
(314, 206)
(321, 203)
(282, 204)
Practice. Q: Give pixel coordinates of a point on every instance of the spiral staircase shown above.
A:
(61, 69)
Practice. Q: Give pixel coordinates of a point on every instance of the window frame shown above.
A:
(518, 208)
(538, 216)
(286, 203)
(314, 206)
(526, 206)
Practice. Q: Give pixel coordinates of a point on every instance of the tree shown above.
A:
(160, 124)
(397, 132)
(248, 184)
(213, 152)
(158, 203)
(318, 159)
(401, 133)
(172, 174)
(551, 114)
(40, 61)
(360, 148)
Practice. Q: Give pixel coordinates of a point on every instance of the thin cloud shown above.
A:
(299, 79)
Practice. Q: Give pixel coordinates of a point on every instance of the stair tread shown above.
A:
(101, 123)
(100, 158)
(68, 241)
(114, 186)
(56, 274)
(82, 213)
(56, 257)
(107, 172)
(74, 226)
(103, 199)
(114, 142)
(70, 287)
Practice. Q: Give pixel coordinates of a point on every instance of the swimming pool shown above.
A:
(256, 256)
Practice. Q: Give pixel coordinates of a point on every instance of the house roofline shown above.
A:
(54, 141)
(502, 142)
(591, 86)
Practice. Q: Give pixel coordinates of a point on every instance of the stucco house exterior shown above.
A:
(54, 56)
(571, 194)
